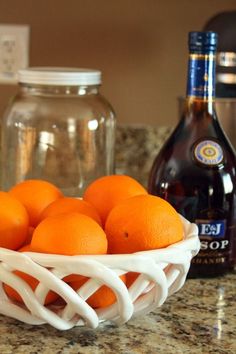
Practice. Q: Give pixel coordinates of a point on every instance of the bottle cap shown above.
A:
(59, 76)
(202, 42)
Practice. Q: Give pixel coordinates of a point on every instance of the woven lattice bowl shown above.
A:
(162, 272)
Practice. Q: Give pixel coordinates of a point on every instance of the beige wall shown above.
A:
(140, 46)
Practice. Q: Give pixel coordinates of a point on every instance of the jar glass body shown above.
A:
(62, 134)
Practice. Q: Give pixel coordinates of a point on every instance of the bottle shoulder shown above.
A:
(191, 153)
(188, 131)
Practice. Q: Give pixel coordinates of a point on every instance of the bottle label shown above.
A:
(215, 228)
(208, 152)
(201, 76)
(215, 247)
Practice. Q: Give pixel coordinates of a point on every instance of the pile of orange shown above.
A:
(116, 215)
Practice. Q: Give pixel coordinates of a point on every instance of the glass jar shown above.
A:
(58, 128)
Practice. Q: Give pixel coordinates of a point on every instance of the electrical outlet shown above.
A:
(14, 51)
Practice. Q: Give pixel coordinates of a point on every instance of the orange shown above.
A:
(103, 297)
(14, 222)
(29, 235)
(25, 248)
(140, 223)
(31, 281)
(130, 278)
(66, 205)
(106, 192)
(69, 234)
(35, 195)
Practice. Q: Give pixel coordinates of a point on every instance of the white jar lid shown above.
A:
(59, 76)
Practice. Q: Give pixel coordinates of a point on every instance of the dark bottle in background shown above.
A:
(226, 75)
(224, 24)
(195, 169)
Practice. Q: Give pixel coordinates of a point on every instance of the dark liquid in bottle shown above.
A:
(203, 193)
(195, 170)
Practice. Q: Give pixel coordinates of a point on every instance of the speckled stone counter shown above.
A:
(136, 148)
(199, 319)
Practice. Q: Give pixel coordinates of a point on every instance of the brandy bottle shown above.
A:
(195, 169)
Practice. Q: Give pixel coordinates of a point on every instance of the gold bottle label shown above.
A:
(208, 152)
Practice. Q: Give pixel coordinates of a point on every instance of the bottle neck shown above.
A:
(200, 106)
(201, 81)
(53, 90)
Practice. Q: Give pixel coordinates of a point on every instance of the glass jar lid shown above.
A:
(59, 76)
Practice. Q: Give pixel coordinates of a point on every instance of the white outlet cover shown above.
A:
(14, 51)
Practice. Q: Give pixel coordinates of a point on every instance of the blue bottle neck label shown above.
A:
(201, 76)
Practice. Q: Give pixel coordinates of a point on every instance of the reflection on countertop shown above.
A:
(199, 319)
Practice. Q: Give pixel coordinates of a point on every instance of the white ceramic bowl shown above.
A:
(162, 272)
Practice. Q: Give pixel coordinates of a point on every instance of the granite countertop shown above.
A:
(199, 319)
(136, 148)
